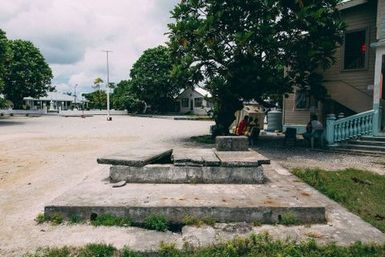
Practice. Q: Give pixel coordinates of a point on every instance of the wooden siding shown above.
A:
(360, 17)
(381, 19)
(291, 116)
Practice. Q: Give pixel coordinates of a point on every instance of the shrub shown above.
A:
(111, 220)
(97, 250)
(156, 222)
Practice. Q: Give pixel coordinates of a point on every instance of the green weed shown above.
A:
(156, 222)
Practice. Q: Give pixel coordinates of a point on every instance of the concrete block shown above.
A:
(138, 158)
(232, 143)
(170, 174)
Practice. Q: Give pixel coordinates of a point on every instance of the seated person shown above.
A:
(314, 128)
(252, 131)
(242, 126)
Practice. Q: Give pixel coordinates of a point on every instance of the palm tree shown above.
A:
(97, 83)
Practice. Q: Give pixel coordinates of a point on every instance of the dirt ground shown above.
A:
(41, 158)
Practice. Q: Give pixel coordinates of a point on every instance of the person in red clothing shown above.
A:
(242, 126)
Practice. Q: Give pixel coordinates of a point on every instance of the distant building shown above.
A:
(194, 100)
(55, 101)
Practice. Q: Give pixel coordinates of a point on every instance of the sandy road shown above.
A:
(41, 158)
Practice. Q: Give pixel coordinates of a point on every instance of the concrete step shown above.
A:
(267, 203)
(373, 148)
(340, 149)
(367, 142)
(172, 174)
(373, 138)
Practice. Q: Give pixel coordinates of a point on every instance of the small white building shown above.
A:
(194, 100)
(55, 102)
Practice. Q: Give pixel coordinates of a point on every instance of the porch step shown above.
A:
(356, 152)
(373, 138)
(367, 142)
(366, 145)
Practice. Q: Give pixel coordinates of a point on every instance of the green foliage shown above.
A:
(288, 218)
(55, 218)
(51, 252)
(26, 73)
(75, 219)
(40, 218)
(97, 250)
(361, 192)
(261, 245)
(4, 57)
(126, 252)
(191, 220)
(124, 98)
(156, 222)
(97, 99)
(238, 48)
(111, 220)
(151, 79)
(168, 250)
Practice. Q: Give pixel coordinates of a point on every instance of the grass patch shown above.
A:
(193, 221)
(55, 219)
(111, 220)
(288, 218)
(361, 192)
(253, 246)
(205, 139)
(97, 250)
(156, 222)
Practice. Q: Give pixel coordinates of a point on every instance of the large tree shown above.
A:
(124, 99)
(151, 79)
(239, 49)
(4, 57)
(26, 74)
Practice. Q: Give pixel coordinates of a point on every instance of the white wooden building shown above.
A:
(195, 101)
(54, 101)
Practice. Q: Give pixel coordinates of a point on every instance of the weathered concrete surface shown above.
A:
(232, 143)
(222, 203)
(194, 157)
(241, 159)
(136, 157)
(167, 173)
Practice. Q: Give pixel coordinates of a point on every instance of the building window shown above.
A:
(198, 102)
(185, 102)
(302, 99)
(355, 50)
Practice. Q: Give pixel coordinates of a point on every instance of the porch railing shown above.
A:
(361, 124)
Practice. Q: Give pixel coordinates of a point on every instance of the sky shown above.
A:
(72, 34)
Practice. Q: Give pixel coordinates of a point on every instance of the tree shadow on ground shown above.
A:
(8, 122)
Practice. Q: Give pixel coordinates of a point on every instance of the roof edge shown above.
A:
(350, 4)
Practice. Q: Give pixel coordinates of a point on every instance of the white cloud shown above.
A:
(72, 34)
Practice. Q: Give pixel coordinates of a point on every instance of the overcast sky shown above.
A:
(71, 34)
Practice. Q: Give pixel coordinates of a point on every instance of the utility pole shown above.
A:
(109, 118)
(76, 85)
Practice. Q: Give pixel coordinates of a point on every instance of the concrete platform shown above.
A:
(168, 173)
(266, 203)
(137, 158)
